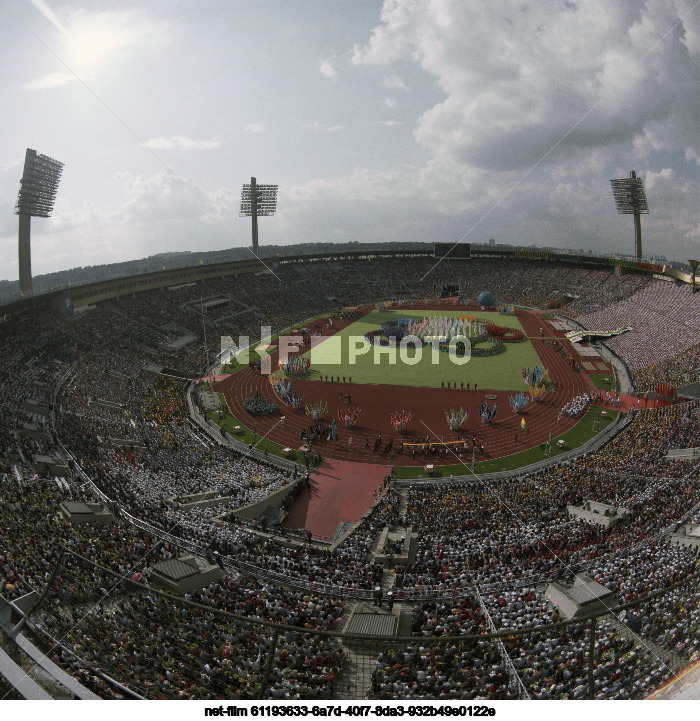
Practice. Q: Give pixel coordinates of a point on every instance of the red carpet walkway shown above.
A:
(340, 491)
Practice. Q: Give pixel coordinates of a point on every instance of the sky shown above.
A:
(402, 120)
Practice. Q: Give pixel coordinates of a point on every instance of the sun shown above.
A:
(92, 41)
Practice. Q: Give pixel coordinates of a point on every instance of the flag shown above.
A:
(523, 425)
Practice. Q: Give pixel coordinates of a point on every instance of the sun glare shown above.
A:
(92, 41)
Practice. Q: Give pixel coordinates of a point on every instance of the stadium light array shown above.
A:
(631, 199)
(37, 194)
(257, 200)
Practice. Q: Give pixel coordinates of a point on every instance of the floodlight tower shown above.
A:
(37, 193)
(257, 200)
(631, 199)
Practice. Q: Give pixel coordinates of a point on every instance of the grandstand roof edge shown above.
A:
(129, 284)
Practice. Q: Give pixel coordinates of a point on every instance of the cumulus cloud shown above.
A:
(222, 205)
(67, 217)
(542, 104)
(52, 80)
(692, 156)
(392, 81)
(255, 128)
(180, 142)
(326, 69)
(523, 80)
(164, 196)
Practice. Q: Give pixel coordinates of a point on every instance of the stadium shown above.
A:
(409, 423)
(161, 541)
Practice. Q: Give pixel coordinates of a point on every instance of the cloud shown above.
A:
(541, 104)
(692, 156)
(67, 217)
(164, 196)
(180, 142)
(52, 80)
(390, 102)
(520, 79)
(326, 69)
(328, 128)
(255, 128)
(392, 81)
(222, 205)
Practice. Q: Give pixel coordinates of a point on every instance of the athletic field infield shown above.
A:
(347, 354)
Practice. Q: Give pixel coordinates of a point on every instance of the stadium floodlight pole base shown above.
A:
(25, 255)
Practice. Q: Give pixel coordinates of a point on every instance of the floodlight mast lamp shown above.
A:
(257, 200)
(631, 199)
(37, 193)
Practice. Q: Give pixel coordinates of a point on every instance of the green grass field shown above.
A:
(604, 381)
(342, 354)
(229, 422)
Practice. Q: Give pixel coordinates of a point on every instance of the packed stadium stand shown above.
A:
(443, 590)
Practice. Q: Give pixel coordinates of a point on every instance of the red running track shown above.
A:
(427, 404)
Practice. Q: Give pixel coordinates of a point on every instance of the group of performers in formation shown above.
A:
(388, 446)
(576, 407)
(435, 448)
(451, 385)
(316, 431)
(610, 399)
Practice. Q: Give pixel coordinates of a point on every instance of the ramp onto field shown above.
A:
(340, 492)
